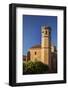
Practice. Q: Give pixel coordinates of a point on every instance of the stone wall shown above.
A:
(35, 54)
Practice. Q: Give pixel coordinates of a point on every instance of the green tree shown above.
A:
(34, 67)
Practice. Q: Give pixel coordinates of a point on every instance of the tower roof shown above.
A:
(46, 27)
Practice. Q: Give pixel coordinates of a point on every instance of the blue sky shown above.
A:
(32, 30)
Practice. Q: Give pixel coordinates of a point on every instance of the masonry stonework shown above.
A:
(45, 45)
(45, 52)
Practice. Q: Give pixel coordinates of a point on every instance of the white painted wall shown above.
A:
(4, 44)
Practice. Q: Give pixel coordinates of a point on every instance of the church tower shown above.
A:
(46, 45)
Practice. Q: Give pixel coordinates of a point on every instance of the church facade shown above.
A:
(45, 52)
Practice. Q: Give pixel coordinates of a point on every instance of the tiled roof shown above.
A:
(35, 46)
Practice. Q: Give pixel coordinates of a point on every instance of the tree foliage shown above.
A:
(34, 67)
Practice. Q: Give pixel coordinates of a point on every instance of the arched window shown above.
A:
(46, 32)
(35, 53)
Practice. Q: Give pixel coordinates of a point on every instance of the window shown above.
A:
(49, 32)
(35, 53)
(46, 32)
